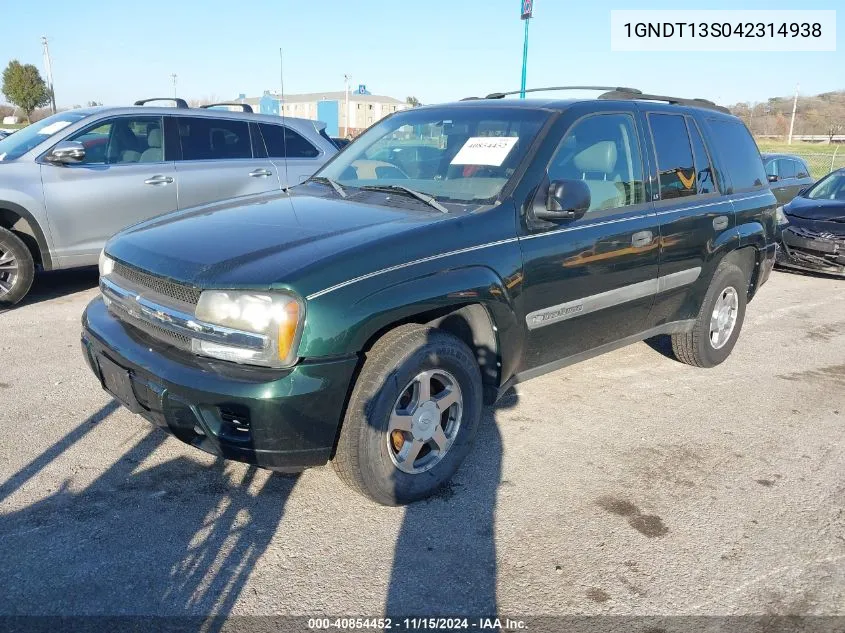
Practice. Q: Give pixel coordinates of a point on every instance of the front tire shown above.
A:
(719, 321)
(412, 417)
(17, 269)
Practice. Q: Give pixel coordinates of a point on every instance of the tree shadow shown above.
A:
(445, 556)
(170, 538)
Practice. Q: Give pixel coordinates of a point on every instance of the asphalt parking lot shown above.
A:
(628, 484)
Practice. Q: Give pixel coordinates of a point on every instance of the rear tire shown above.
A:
(389, 447)
(719, 321)
(17, 268)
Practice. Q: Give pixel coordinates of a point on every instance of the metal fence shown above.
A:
(821, 164)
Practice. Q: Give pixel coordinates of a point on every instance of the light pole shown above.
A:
(527, 11)
(346, 93)
(48, 70)
(794, 108)
(173, 77)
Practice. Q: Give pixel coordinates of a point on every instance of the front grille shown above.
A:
(177, 340)
(159, 285)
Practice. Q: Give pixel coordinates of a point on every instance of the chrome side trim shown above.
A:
(405, 265)
(177, 321)
(617, 296)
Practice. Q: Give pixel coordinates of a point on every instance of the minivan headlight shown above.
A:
(276, 316)
(105, 263)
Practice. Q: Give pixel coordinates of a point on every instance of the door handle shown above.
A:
(260, 173)
(720, 223)
(642, 238)
(158, 180)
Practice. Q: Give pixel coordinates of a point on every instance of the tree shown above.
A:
(93, 104)
(412, 101)
(24, 87)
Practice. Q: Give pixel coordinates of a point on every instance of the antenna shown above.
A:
(282, 110)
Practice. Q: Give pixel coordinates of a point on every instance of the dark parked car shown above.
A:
(366, 316)
(815, 236)
(339, 142)
(788, 174)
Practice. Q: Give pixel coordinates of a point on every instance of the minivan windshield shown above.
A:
(463, 154)
(17, 144)
(831, 187)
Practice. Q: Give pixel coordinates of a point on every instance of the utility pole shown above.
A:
(346, 92)
(173, 77)
(794, 108)
(527, 12)
(48, 70)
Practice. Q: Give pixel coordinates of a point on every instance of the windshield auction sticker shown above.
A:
(722, 30)
(485, 150)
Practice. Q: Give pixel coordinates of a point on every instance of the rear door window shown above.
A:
(204, 138)
(737, 154)
(801, 170)
(705, 179)
(282, 142)
(675, 164)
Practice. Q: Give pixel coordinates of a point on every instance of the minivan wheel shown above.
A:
(412, 416)
(719, 321)
(17, 270)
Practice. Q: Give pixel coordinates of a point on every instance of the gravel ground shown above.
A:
(629, 484)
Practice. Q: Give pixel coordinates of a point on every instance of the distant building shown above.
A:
(330, 107)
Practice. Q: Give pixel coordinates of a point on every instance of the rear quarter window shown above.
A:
(738, 155)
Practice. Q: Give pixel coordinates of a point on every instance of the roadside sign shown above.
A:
(527, 9)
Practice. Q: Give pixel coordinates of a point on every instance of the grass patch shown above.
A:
(781, 147)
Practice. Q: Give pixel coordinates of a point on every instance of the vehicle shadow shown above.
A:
(58, 283)
(173, 537)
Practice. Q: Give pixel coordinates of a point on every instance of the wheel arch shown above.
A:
(21, 222)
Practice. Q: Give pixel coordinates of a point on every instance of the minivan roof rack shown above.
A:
(621, 93)
(245, 107)
(180, 103)
(502, 95)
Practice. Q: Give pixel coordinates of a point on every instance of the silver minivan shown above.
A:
(70, 181)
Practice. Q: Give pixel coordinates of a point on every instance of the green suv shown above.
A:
(366, 316)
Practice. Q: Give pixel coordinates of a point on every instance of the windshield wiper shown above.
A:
(423, 197)
(334, 185)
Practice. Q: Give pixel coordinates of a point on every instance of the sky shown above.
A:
(436, 50)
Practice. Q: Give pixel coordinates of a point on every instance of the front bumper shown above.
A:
(805, 250)
(277, 419)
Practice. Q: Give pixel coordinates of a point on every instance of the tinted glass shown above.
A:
(675, 165)
(280, 139)
(738, 154)
(123, 140)
(456, 154)
(602, 150)
(258, 148)
(801, 170)
(786, 168)
(831, 187)
(704, 175)
(213, 139)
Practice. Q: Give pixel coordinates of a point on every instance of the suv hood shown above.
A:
(262, 240)
(824, 210)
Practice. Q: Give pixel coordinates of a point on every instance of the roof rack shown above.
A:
(621, 93)
(245, 107)
(502, 95)
(180, 103)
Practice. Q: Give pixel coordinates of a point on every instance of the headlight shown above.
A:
(106, 264)
(781, 216)
(275, 316)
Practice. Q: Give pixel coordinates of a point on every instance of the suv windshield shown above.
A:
(454, 154)
(830, 188)
(19, 143)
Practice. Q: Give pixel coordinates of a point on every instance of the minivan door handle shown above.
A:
(158, 180)
(260, 173)
(642, 238)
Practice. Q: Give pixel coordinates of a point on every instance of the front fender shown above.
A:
(333, 328)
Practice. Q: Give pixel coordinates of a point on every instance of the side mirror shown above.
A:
(566, 200)
(801, 192)
(772, 178)
(67, 152)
